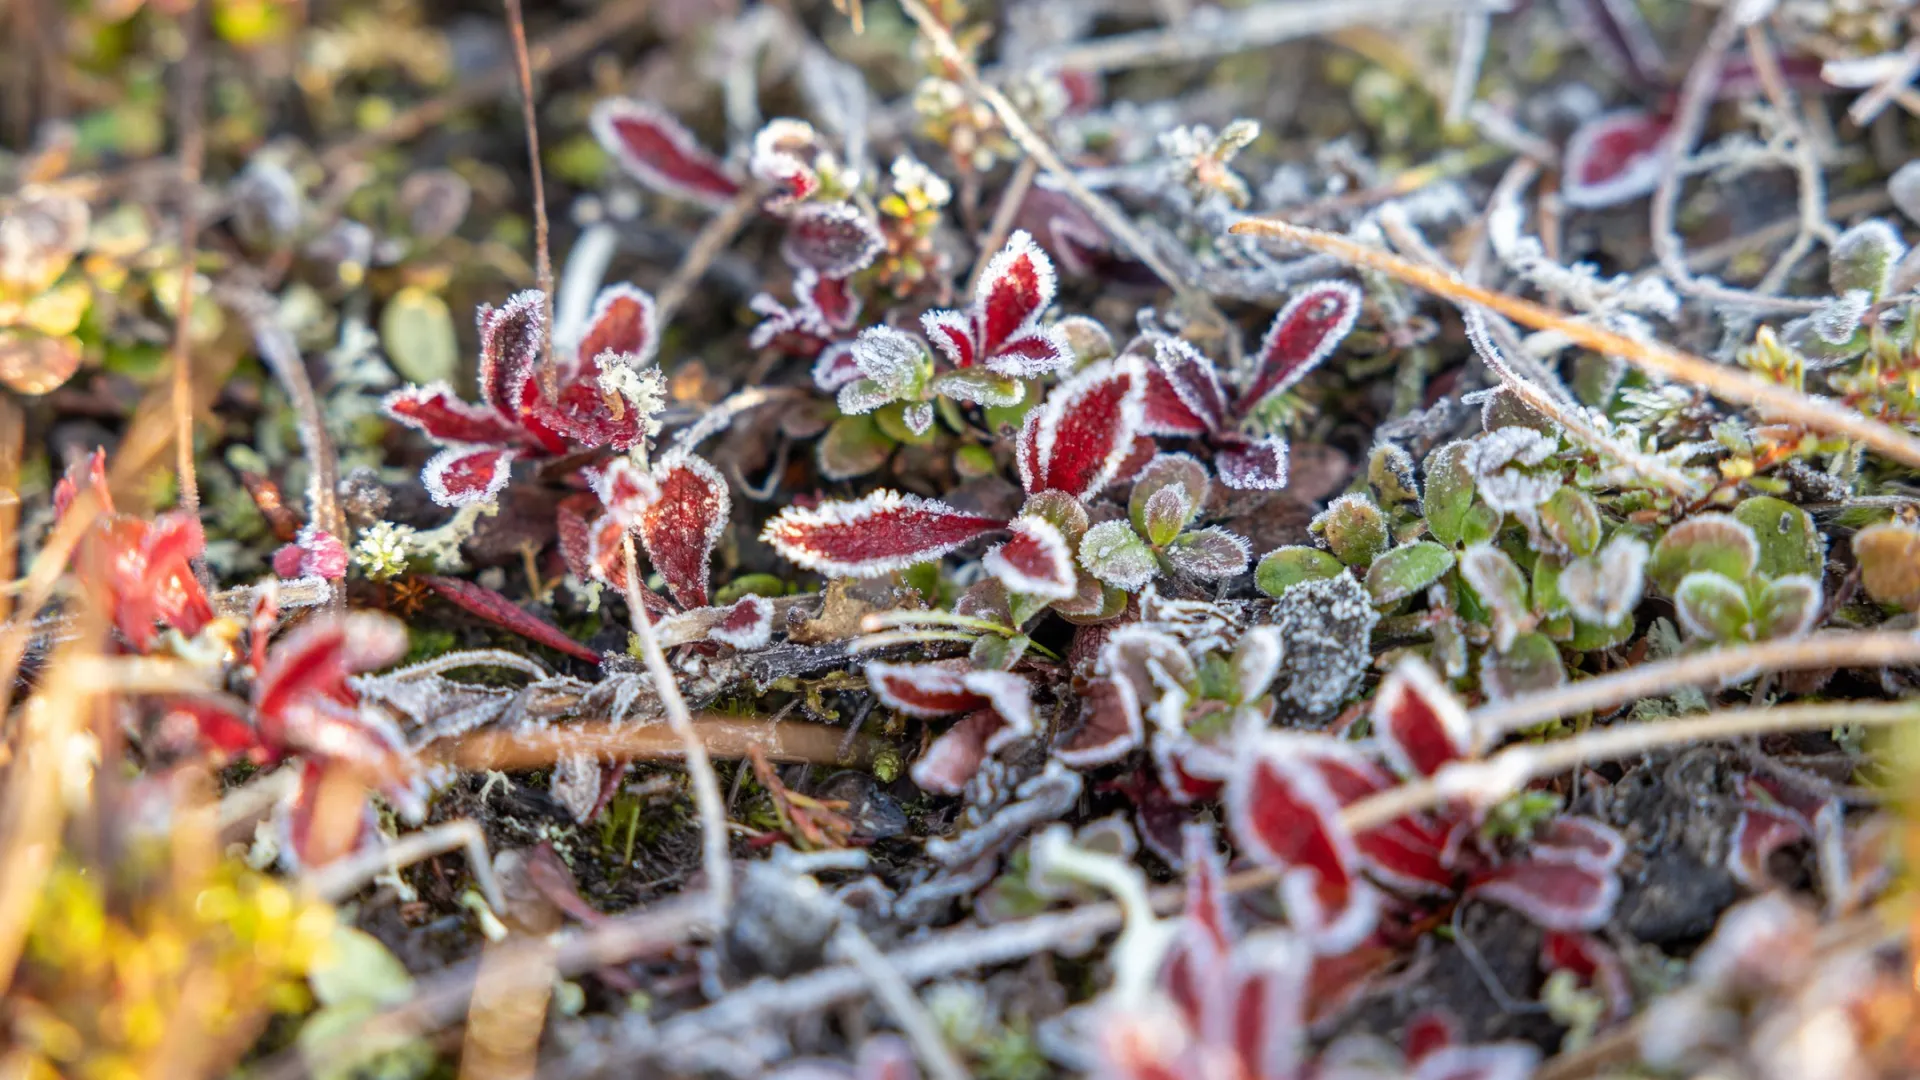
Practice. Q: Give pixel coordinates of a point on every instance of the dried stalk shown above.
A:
(1724, 382)
(1037, 148)
(1512, 769)
(896, 994)
(1830, 650)
(713, 239)
(338, 880)
(193, 152)
(542, 250)
(706, 787)
(13, 445)
(283, 358)
(1011, 197)
(731, 737)
(49, 563)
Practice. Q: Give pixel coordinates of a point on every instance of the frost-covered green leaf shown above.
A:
(978, 386)
(1167, 496)
(1210, 554)
(1501, 586)
(1282, 568)
(1406, 570)
(1713, 606)
(1789, 541)
(1114, 553)
(1529, 665)
(1716, 542)
(1863, 257)
(1390, 472)
(1786, 608)
(1060, 510)
(1353, 528)
(416, 333)
(1572, 519)
(1602, 588)
(853, 446)
(1448, 494)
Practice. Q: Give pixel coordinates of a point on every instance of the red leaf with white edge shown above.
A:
(834, 240)
(1574, 833)
(1558, 890)
(318, 780)
(1085, 429)
(1305, 332)
(1427, 1032)
(1184, 396)
(489, 605)
(884, 532)
(1036, 562)
(1012, 294)
(511, 336)
(437, 411)
(1191, 771)
(574, 528)
(1252, 464)
(1757, 834)
(1285, 816)
(461, 476)
(626, 490)
(952, 333)
(1501, 1061)
(1350, 776)
(1264, 1022)
(835, 367)
(1594, 963)
(661, 154)
(838, 305)
(681, 527)
(219, 729)
(1420, 724)
(945, 688)
(781, 151)
(1613, 158)
(1799, 798)
(1206, 871)
(748, 624)
(93, 474)
(623, 323)
(956, 755)
(1137, 459)
(1407, 857)
(1110, 725)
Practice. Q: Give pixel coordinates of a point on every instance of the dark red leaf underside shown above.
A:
(1305, 332)
(681, 527)
(487, 604)
(658, 152)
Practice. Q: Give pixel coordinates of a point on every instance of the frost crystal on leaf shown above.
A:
(1076, 441)
(1503, 462)
(1421, 725)
(681, 527)
(1001, 330)
(1326, 623)
(1305, 332)
(1037, 561)
(1114, 553)
(833, 240)
(747, 625)
(884, 532)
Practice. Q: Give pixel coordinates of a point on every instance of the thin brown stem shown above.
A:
(1724, 382)
(542, 250)
(713, 238)
(193, 151)
(1014, 194)
(730, 737)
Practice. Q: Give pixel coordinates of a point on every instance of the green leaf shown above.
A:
(1062, 511)
(1449, 493)
(1180, 484)
(1863, 258)
(1789, 541)
(979, 386)
(853, 446)
(1572, 519)
(1713, 606)
(1406, 570)
(1285, 567)
(1716, 542)
(416, 332)
(1501, 586)
(359, 970)
(1390, 473)
(1162, 515)
(892, 420)
(1354, 528)
(1209, 554)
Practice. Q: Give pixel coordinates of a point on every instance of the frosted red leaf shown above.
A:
(1613, 158)
(748, 624)
(1428, 1032)
(656, 150)
(1252, 464)
(487, 604)
(301, 697)
(1285, 816)
(1001, 329)
(315, 553)
(1305, 333)
(435, 410)
(1184, 396)
(622, 322)
(95, 480)
(836, 367)
(833, 240)
(956, 755)
(781, 152)
(1420, 724)
(1558, 889)
(573, 525)
(1583, 835)
(1757, 835)
(878, 534)
(1037, 561)
(1110, 725)
(511, 336)
(461, 476)
(1593, 963)
(680, 528)
(1077, 439)
(141, 569)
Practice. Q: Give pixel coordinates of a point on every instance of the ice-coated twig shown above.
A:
(1470, 30)
(1724, 382)
(282, 355)
(896, 994)
(497, 658)
(707, 799)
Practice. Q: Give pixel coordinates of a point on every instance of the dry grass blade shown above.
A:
(1663, 360)
(193, 150)
(542, 250)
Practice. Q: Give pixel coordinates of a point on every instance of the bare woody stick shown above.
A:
(1723, 382)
